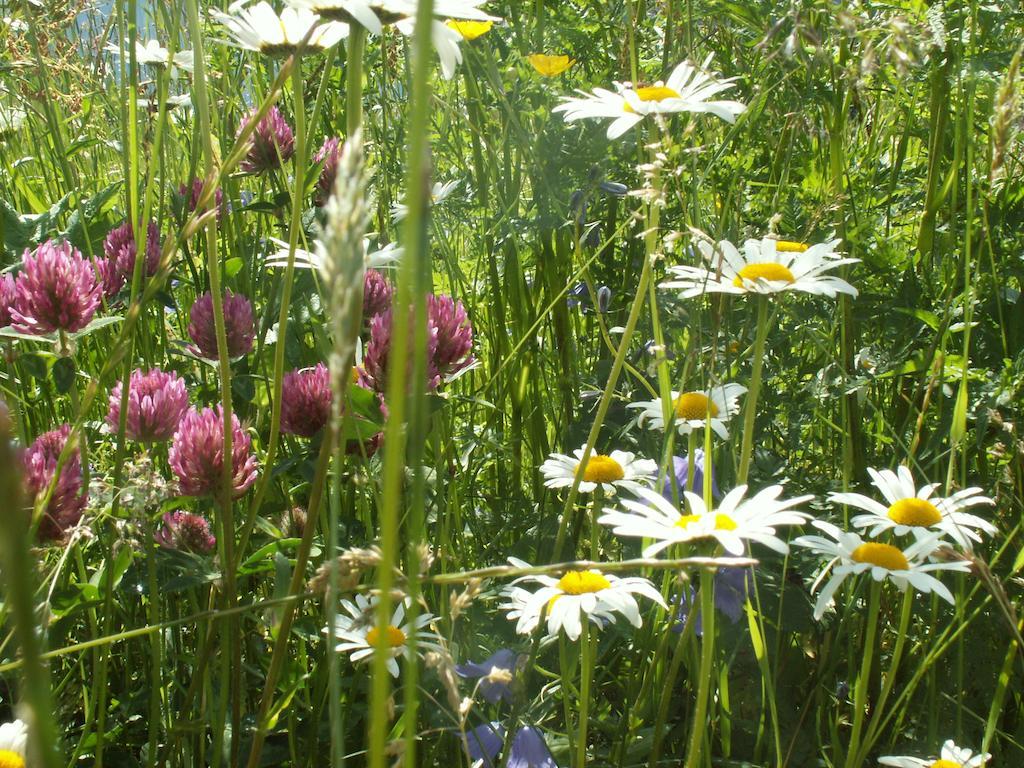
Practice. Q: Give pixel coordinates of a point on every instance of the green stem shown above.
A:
(861, 693)
(354, 78)
(750, 410)
(695, 751)
(295, 229)
(414, 271)
(606, 397)
(586, 675)
(890, 677)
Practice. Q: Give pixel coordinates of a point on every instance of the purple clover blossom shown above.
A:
(69, 496)
(454, 334)
(493, 690)
(528, 750)
(156, 402)
(197, 454)
(111, 279)
(305, 401)
(119, 248)
(377, 293)
(185, 532)
(190, 195)
(270, 144)
(7, 294)
(731, 588)
(681, 473)
(238, 323)
(56, 290)
(328, 154)
(374, 370)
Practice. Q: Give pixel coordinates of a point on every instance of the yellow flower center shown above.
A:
(694, 405)
(603, 469)
(9, 759)
(471, 30)
(656, 93)
(582, 582)
(788, 246)
(915, 512)
(945, 764)
(393, 637)
(768, 270)
(722, 522)
(651, 93)
(549, 65)
(883, 555)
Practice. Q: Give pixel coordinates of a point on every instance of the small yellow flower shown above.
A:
(549, 65)
(471, 30)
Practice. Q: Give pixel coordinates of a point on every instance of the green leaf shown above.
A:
(233, 266)
(64, 374)
(96, 324)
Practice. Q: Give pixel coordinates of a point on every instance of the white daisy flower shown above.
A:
(851, 555)
(13, 744)
(688, 89)
(619, 469)
(916, 511)
(766, 266)
(445, 40)
(566, 601)
(695, 409)
(912, 510)
(734, 522)
(259, 28)
(361, 636)
(439, 192)
(151, 52)
(375, 258)
(373, 14)
(952, 756)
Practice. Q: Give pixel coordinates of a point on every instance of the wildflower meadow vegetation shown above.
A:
(493, 383)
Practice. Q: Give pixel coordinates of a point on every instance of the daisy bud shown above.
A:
(454, 334)
(196, 454)
(270, 144)
(156, 402)
(238, 323)
(377, 293)
(305, 401)
(119, 247)
(7, 294)
(185, 532)
(55, 290)
(69, 496)
(328, 154)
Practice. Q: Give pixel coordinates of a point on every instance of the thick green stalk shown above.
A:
(19, 582)
(354, 78)
(415, 268)
(750, 407)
